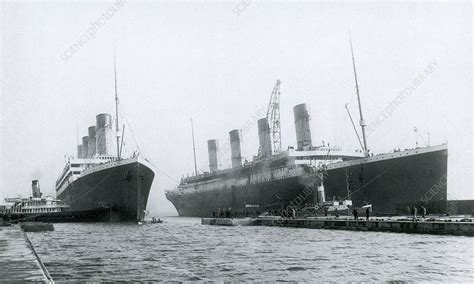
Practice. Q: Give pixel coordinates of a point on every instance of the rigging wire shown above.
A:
(124, 116)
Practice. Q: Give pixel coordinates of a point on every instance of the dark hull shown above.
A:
(269, 195)
(389, 185)
(394, 184)
(119, 193)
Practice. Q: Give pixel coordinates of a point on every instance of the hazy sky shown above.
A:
(218, 63)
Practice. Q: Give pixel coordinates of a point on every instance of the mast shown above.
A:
(362, 121)
(355, 130)
(116, 110)
(194, 148)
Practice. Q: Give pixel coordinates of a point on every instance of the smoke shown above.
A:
(36, 174)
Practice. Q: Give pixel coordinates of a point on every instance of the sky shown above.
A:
(217, 62)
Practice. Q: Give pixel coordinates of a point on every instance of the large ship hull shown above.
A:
(390, 182)
(115, 191)
(394, 182)
(246, 200)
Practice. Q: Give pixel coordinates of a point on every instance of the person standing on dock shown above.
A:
(355, 213)
(423, 211)
(414, 211)
(367, 213)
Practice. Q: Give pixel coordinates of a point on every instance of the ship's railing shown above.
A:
(65, 184)
(67, 178)
(390, 155)
(70, 170)
(326, 151)
(65, 169)
(109, 164)
(196, 177)
(23, 210)
(246, 164)
(98, 159)
(260, 177)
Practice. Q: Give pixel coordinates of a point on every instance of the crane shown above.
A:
(273, 117)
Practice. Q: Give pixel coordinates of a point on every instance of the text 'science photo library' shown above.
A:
(236, 141)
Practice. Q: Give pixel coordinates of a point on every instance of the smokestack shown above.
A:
(79, 151)
(303, 131)
(85, 148)
(91, 142)
(212, 147)
(236, 155)
(321, 195)
(104, 134)
(36, 189)
(264, 137)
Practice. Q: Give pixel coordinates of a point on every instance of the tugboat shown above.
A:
(34, 208)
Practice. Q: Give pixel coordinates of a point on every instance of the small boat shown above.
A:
(36, 227)
(156, 221)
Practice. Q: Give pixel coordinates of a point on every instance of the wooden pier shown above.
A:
(458, 227)
(18, 259)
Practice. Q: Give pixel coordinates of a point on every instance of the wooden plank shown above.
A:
(18, 261)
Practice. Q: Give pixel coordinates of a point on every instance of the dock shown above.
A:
(229, 221)
(457, 227)
(18, 259)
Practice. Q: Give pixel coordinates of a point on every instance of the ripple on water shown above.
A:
(183, 250)
(296, 268)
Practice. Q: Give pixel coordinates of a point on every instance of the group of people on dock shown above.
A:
(413, 211)
(368, 210)
(292, 212)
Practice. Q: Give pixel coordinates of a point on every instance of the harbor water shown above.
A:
(181, 249)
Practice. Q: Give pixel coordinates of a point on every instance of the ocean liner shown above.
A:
(304, 175)
(98, 185)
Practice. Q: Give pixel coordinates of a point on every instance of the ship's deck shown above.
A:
(387, 156)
